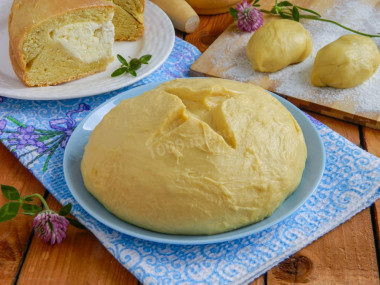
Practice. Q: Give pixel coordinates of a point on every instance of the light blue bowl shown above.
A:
(312, 174)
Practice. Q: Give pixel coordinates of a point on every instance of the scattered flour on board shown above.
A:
(294, 80)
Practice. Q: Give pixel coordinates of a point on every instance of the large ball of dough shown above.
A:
(346, 62)
(195, 156)
(278, 44)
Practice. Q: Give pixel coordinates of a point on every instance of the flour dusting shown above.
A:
(294, 80)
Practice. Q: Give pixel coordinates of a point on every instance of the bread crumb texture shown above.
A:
(128, 19)
(54, 41)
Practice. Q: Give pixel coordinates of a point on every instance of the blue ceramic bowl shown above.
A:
(312, 174)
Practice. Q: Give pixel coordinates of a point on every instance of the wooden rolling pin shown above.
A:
(212, 7)
(180, 13)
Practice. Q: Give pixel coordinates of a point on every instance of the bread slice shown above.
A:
(128, 19)
(55, 41)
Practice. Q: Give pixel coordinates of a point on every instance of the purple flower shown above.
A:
(249, 18)
(50, 227)
(3, 124)
(26, 136)
(41, 147)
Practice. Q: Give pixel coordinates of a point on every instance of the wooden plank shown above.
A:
(79, 259)
(85, 259)
(345, 255)
(372, 145)
(259, 281)
(364, 120)
(209, 29)
(372, 141)
(376, 213)
(14, 234)
(179, 34)
(226, 58)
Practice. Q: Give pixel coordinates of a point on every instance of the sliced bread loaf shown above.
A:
(54, 41)
(128, 19)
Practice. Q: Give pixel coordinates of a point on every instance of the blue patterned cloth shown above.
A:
(37, 133)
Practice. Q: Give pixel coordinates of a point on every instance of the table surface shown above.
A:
(347, 255)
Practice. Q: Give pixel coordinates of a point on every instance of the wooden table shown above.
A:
(347, 255)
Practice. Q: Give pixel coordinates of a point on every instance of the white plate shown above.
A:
(158, 40)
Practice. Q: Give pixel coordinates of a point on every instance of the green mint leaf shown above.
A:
(131, 66)
(122, 60)
(10, 192)
(65, 210)
(296, 14)
(145, 58)
(132, 72)
(28, 199)
(31, 209)
(119, 71)
(75, 223)
(233, 12)
(255, 2)
(284, 4)
(134, 64)
(9, 210)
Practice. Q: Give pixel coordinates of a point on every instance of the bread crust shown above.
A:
(25, 15)
(141, 31)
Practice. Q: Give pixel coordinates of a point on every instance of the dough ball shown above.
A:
(278, 44)
(195, 156)
(346, 62)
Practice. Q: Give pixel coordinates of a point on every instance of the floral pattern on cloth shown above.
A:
(350, 183)
(26, 140)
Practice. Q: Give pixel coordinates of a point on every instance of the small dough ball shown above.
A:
(346, 62)
(195, 156)
(278, 44)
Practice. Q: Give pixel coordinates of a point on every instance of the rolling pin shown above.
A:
(212, 7)
(180, 13)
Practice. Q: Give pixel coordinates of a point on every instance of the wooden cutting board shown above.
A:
(226, 58)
